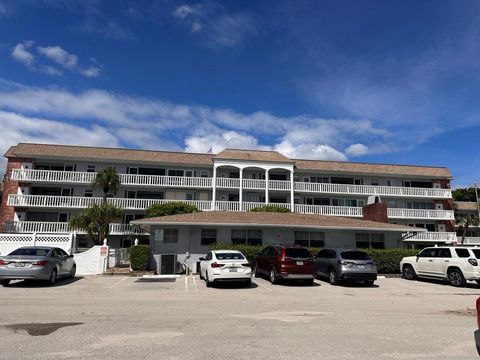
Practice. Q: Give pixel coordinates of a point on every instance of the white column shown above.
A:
(266, 188)
(214, 184)
(240, 191)
(292, 203)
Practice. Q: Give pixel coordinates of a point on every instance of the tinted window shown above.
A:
(429, 252)
(444, 253)
(323, 254)
(476, 252)
(269, 251)
(297, 253)
(229, 256)
(463, 253)
(354, 255)
(30, 252)
(209, 256)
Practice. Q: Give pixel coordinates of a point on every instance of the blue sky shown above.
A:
(374, 81)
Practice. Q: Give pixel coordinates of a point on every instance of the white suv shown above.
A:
(455, 264)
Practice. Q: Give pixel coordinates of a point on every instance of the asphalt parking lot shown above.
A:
(112, 317)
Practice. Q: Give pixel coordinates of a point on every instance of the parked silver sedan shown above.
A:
(36, 263)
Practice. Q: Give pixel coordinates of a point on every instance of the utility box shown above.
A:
(166, 264)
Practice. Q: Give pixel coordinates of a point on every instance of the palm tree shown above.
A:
(464, 221)
(95, 220)
(108, 180)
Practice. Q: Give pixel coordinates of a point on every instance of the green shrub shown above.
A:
(171, 208)
(249, 251)
(139, 257)
(271, 208)
(387, 261)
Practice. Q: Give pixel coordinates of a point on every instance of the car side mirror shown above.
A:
(71, 255)
(201, 259)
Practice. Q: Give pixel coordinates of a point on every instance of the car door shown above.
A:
(425, 262)
(57, 258)
(321, 262)
(204, 263)
(262, 261)
(442, 261)
(67, 261)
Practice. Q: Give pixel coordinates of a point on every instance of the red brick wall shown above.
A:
(375, 212)
(9, 187)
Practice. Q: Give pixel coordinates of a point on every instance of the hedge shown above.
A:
(170, 208)
(139, 257)
(387, 261)
(271, 208)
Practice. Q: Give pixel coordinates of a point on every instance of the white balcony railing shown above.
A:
(32, 175)
(83, 202)
(142, 204)
(395, 213)
(63, 227)
(390, 191)
(432, 236)
(53, 176)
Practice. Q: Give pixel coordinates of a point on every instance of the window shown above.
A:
(310, 238)
(190, 196)
(67, 192)
(189, 173)
(297, 253)
(63, 217)
(358, 181)
(126, 243)
(90, 168)
(69, 168)
(354, 255)
(132, 170)
(444, 253)
(248, 237)
(88, 193)
(428, 252)
(370, 240)
(175, 172)
(347, 202)
(419, 205)
(229, 256)
(170, 235)
(463, 253)
(204, 173)
(209, 256)
(30, 251)
(430, 227)
(208, 236)
(151, 171)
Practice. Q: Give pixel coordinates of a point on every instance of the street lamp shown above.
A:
(475, 185)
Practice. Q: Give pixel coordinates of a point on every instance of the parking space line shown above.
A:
(194, 282)
(119, 281)
(186, 284)
(263, 286)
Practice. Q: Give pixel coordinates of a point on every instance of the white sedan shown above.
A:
(225, 265)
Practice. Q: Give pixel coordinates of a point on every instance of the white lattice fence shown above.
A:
(10, 242)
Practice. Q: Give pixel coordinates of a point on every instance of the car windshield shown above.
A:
(354, 255)
(30, 252)
(229, 256)
(297, 253)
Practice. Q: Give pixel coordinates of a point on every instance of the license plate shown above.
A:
(233, 270)
(299, 262)
(361, 266)
(19, 265)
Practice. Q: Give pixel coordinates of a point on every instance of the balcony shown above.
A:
(52, 176)
(434, 237)
(367, 190)
(141, 204)
(59, 177)
(62, 227)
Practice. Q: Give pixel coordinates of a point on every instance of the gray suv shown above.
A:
(343, 264)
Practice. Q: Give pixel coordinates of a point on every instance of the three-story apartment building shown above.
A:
(45, 185)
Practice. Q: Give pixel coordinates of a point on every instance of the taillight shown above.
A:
(478, 313)
(40, 263)
(3, 262)
(473, 262)
(247, 265)
(216, 265)
(346, 263)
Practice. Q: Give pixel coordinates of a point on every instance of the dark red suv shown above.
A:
(285, 262)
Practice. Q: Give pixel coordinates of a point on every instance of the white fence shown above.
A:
(93, 261)
(10, 242)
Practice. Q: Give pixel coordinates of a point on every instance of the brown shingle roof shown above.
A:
(372, 168)
(225, 218)
(253, 155)
(465, 205)
(106, 154)
(131, 155)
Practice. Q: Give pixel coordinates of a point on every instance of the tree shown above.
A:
(171, 208)
(271, 208)
(95, 220)
(108, 180)
(467, 194)
(464, 221)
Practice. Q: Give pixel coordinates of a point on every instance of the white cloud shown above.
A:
(59, 55)
(184, 11)
(218, 142)
(91, 72)
(357, 150)
(50, 70)
(20, 53)
(310, 151)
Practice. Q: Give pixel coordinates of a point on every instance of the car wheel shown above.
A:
(255, 271)
(455, 278)
(477, 281)
(53, 277)
(273, 276)
(368, 282)
(409, 272)
(332, 277)
(4, 282)
(73, 271)
(207, 281)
